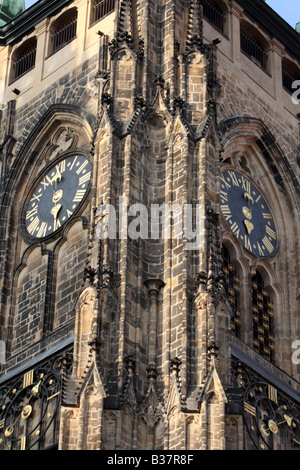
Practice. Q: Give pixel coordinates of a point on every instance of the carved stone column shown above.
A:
(153, 286)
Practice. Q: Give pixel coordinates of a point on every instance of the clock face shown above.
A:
(247, 214)
(57, 196)
(271, 419)
(28, 411)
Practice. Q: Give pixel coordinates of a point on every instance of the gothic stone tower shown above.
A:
(116, 334)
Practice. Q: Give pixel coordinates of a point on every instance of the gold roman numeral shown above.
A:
(79, 195)
(33, 226)
(233, 178)
(81, 168)
(42, 230)
(267, 215)
(36, 197)
(272, 393)
(268, 244)
(260, 251)
(246, 185)
(56, 224)
(2, 423)
(62, 166)
(31, 213)
(226, 211)
(249, 409)
(224, 195)
(28, 379)
(228, 186)
(258, 198)
(46, 181)
(270, 232)
(73, 163)
(23, 443)
(84, 178)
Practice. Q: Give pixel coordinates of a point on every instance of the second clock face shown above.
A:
(247, 214)
(57, 196)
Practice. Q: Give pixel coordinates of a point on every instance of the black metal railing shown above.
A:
(254, 50)
(64, 33)
(101, 8)
(25, 61)
(287, 80)
(213, 13)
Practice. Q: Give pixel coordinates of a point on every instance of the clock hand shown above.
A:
(26, 411)
(55, 210)
(57, 196)
(56, 177)
(273, 426)
(248, 213)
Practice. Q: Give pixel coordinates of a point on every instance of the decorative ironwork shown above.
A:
(232, 289)
(213, 13)
(262, 317)
(30, 404)
(271, 415)
(254, 50)
(101, 8)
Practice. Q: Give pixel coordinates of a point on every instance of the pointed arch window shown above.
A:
(232, 289)
(262, 317)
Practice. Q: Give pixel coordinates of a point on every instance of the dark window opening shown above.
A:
(213, 13)
(262, 317)
(254, 50)
(232, 289)
(101, 8)
(64, 31)
(289, 76)
(24, 59)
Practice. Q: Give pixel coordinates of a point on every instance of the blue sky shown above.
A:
(288, 9)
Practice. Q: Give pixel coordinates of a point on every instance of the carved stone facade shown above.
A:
(160, 98)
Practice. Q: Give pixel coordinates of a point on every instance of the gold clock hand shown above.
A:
(273, 427)
(56, 177)
(55, 210)
(26, 411)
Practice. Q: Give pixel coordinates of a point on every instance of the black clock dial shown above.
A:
(28, 411)
(57, 196)
(247, 214)
(271, 419)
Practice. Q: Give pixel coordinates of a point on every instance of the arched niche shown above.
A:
(70, 259)
(28, 306)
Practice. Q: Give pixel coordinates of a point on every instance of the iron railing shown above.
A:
(101, 8)
(64, 33)
(213, 13)
(287, 80)
(25, 61)
(253, 50)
